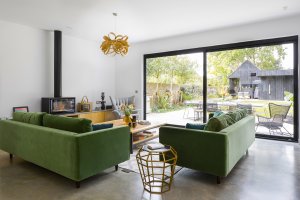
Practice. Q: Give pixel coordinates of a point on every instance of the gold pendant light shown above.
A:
(115, 44)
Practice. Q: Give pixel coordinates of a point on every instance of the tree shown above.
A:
(180, 70)
(155, 68)
(172, 70)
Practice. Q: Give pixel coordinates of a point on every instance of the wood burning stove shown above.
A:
(58, 105)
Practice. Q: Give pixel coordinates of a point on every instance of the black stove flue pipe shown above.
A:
(57, 64)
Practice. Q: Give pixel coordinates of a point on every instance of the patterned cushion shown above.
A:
(219, 123)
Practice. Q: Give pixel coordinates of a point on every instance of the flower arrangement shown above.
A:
(127, 109)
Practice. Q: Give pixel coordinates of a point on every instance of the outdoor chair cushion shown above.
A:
(67, 123)
(29, 117)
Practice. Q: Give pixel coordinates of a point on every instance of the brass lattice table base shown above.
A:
(157, 168)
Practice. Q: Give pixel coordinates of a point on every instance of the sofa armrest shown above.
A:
(201, 150)
(240, 137)
(99, 150)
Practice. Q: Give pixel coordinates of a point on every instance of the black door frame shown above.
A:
(232, 46)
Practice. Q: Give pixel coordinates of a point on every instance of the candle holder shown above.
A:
(102, 101)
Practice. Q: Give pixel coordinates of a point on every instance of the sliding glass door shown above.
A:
(174, 87)
(185, 86)
(259, 79)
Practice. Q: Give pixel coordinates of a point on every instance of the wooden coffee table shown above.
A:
(137, 130)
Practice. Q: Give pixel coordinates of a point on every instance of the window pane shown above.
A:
(174, 88)
(260, 80)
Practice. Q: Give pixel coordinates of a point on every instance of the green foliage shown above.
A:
(288, 96)
(187, 97)
(160, 101)
(172, 70)
(163, 102)
(190, 92)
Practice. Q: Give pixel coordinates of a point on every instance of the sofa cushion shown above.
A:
(102, 126)
(242, 112)
(215, 114)
(218, 123)
(195, 126)
(218, 113)
(29, 117)
(67, 123)
(238, 114)
(235, 116)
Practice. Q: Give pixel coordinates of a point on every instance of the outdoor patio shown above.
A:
(183, 116)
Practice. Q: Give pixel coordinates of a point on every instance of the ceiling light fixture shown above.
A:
(115, 44)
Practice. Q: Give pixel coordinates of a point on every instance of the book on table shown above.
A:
(151, 131)
(154, 146)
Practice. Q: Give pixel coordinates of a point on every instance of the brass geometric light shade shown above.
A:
(115, 44)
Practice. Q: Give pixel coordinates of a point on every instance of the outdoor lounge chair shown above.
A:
(274, 122)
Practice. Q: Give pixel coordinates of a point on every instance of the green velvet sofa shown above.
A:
(211, 152)
(76, 156)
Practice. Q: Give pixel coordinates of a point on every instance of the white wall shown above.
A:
(86, 70)
(129, 69)
(26, 68)
(23, 67)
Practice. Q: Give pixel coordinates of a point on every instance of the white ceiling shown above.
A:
(140, 19)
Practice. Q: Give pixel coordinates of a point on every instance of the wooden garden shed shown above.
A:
(261, 84)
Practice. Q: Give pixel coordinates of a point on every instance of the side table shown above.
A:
(157, 168)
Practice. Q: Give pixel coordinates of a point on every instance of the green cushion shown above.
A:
(218, 123)
(218, 113)
(215, 114)
(67, 123)
(29, 117)
(242, 112)
(195, 126)
(234, 115)
(102, 126)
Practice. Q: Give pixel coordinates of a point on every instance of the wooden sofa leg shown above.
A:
(218, 179)
(11, 156)
(116, 167)
(247, 152)
(77, 184)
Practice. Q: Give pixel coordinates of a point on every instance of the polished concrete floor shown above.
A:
(271, 171)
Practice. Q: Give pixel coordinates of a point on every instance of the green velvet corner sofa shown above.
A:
(64, 145)
(215, 150)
